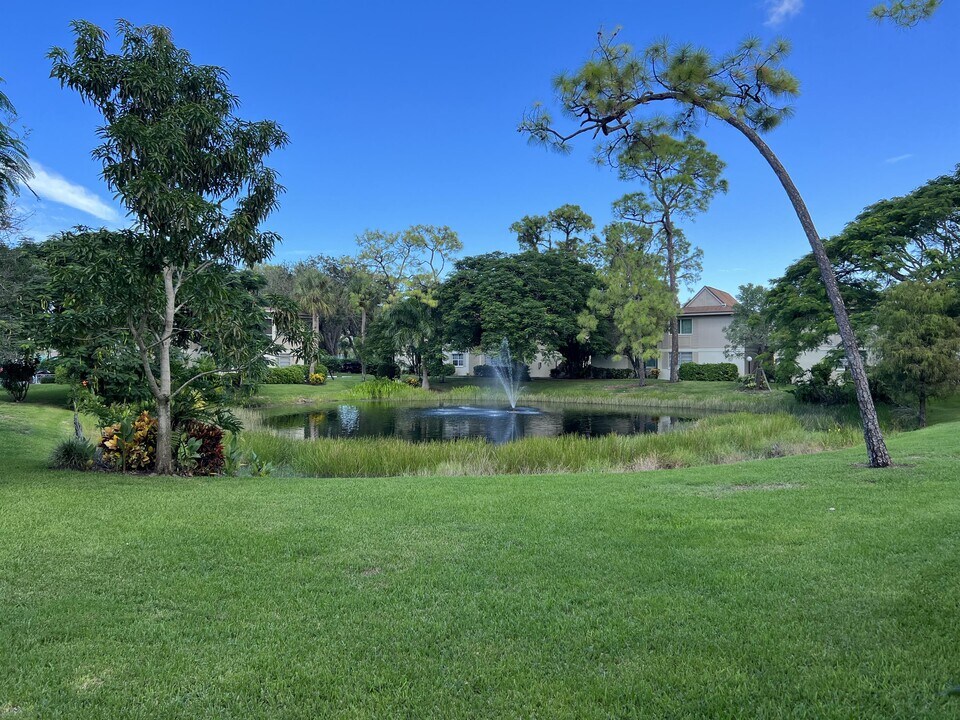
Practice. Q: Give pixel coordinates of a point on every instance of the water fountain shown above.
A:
(508, 372)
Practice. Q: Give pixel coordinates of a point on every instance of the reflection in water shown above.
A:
(495, 424)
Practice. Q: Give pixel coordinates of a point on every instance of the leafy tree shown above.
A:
(193, 177)
(915, 237)
(747, 89)
(918, 341)
(905, 13)
(912, 237)
(410, 265)
(633, 294)
(680, 177)
(535, 232)
(14, 166)
(532, 299)
(22, 277)
(750, 328)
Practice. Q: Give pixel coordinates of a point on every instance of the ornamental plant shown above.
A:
(16, 376)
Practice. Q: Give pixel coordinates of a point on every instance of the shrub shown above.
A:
(48, 379)
(653, 373)
(130, 444)
(708, 371)
(601, 373)
(348, 366)
(490, 371)
(412, 381)
(290, 375)
(209, 458)
(484, 371)
(73, 454)
(16, 376)
(747, 382)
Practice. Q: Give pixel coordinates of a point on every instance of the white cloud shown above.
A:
(780, 10)
(898, 158)
(50, 186)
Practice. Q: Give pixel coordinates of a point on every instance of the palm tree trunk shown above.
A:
(877, 454)
(315, 346)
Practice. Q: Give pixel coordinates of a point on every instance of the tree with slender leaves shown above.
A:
(15, 168)
(749, 89)
(191, 174)
(679, 179)
(571, 222)
(311, 292)
(918, 342)
(632, 294)
(905, 13)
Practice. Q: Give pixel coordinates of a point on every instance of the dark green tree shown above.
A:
(192, 176)
(532, 299)
(570, 222)
(609, 99)
(918, 342)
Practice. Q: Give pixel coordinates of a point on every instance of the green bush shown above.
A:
(291, 375)
(601, 373)
(73, 454)
(48, 379)
(490, 371)
(16, 376)
(381, 388)
(708, 371)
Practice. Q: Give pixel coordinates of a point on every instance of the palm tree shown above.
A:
(311, 293)
(411, 323)
(14, 166)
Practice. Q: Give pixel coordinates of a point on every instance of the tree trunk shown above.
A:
(164, 427)
(315, 347)
(922, 414)
(363, 337)
(640, 370)
(672, 282)
(877, 454)
(425, 377)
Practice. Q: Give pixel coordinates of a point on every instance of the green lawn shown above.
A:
(804, 587)
(702, 395)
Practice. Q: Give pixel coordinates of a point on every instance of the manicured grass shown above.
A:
(805, 587)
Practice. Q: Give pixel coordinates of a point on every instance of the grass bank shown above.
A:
(802, 587)
(658, 394)
(722, 439)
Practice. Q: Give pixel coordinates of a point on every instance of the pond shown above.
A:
(452, 422)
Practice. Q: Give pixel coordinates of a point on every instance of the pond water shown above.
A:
(451, 422)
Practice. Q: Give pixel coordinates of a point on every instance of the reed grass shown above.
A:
(714, 440)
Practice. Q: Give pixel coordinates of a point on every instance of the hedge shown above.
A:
(290, 375)
(708, 371)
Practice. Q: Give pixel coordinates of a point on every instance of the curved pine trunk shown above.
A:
(877, 454)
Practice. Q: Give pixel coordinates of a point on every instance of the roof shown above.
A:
(723, 305)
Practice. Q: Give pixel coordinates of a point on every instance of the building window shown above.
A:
(651, 363)
(686, 326)
(457, 359)
(283, 361)
(685, 357)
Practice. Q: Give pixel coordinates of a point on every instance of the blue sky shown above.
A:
(403, 113)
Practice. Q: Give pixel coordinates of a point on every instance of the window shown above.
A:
(685, 357)
(686, 326)
(457, 359)
(651, 363)
(283, 361)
